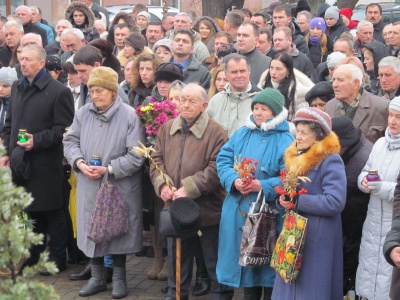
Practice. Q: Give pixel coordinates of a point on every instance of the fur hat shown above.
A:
(167, 43)
(169, 71)
(319, 23)
(302, 5)
(395, 104)
(314, 115)
(136, 40)
(8, 75)
(103, 77)
(146, 15)
(322, 90)
(332, 12)
(344, 129)
(347, 12)
(271, 98)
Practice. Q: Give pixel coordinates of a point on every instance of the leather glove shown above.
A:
(374, 186)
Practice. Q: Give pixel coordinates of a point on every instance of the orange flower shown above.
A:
(303, 191)
(290, 222)
(293, 194)
(280, 190)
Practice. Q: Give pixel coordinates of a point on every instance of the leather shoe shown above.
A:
(202, 286)
(60, 268)
(108, 273)
(84, 275)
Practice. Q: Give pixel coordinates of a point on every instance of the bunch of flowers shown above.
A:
(156, 114)
(291, 181)
(245, 168)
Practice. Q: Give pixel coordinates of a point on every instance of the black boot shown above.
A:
(84, 275)
(203, 282)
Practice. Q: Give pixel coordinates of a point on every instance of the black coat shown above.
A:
(315, 54)
(44, 109)
(32, 28)
(336, 30)
(355, 211)
(5, 56)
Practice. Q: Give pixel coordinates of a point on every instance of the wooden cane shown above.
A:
(178, 269)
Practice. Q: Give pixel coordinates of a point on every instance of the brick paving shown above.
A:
(139, 287)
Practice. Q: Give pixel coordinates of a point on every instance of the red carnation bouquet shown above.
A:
(155, 115)
(245, 168)
(291, 181)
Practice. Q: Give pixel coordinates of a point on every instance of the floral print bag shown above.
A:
(287, 257)
(109, 217)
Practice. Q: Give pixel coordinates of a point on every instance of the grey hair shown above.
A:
(305, 13)
(364, 23)
(195, 86)
(13, 23)
(355, 72)
(37, 36)
(41, 53)
(27, 8)
(190, 19)
(235, 57)
(100, 24)
(390, 61)
(75, 31)
(65, 20)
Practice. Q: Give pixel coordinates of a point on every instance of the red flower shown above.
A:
(280, 190)
(281, 256)
(290, 222)
(293, 194)
(303, 191)
(290, 206)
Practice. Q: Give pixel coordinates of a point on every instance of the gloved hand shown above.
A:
(374, 186)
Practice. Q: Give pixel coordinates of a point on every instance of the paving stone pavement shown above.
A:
(139, 287)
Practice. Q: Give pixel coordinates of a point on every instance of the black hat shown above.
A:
(185, 216)
(344, 129)
(225, 50)
(20, 164)
(169, 72)
(323, 90)
(302, 5)
(53, 63)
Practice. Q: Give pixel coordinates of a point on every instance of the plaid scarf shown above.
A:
(349, 110)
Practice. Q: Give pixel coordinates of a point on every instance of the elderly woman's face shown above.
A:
(101, 97)
(394, 121)
(261, 113)
(305, 137)
(174, 96)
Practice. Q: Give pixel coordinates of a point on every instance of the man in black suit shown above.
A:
(44, 107)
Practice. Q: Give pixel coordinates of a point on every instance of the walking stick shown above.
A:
(146, 153)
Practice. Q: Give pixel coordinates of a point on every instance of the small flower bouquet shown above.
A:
(290, 183)
(155, 115)
(245, 168)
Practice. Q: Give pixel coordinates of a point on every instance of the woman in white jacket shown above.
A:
(374, 273)
(292, 83)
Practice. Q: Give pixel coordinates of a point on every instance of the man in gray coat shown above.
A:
(85, 60)
(247, 37)
(193, 70)
(368, 112)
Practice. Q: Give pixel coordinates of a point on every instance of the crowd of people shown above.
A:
(314, 94)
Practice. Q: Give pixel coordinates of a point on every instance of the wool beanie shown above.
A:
(332, 12)
(167, 43)
(334, 58)
(146, 15)
(169, 72)
(302, 5)
(53, 63)
(344, 129)
(104, 77)
(8, 75)
(136, 40)
(271, 98)
(322, 90)
(347, 12)
(319, 23)
(395, 104)
(314, 115)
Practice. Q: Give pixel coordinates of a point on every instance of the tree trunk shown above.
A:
(218, 8)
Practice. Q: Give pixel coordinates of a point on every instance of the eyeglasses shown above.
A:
(97, 91)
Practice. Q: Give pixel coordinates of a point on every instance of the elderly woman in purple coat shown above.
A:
(314, 154)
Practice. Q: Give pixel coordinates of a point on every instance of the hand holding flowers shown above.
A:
(289, 193)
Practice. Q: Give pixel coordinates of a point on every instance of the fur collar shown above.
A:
(304, 163)
(268, 125)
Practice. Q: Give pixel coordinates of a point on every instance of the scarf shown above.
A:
(315, 41)
(349, 110)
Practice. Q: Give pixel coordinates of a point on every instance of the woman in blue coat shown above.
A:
(315, 154)
(264, 139)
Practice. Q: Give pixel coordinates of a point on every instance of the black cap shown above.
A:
(344, 129)
(185, 216)
(53, 63)
(322, 90)
(169, 72)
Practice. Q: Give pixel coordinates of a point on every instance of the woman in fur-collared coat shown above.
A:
(82, 17)
(315, 154)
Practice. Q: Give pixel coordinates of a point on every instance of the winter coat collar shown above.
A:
(392, 141)
(197, 128)
(250, 91)
(270, 124)
(37, 80)
(302, 164)
(107, 116)
(295, 52)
